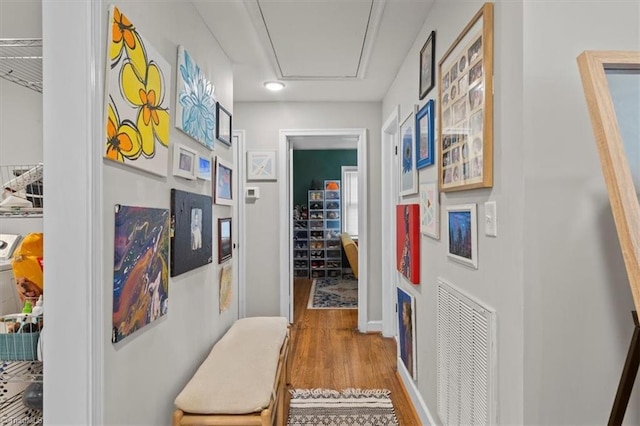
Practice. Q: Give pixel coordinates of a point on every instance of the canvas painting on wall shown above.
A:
(226, 287)
(140, 268)
(407, 331)
(191, 231)
(137, 101)
(408, 241)
(195, 103)
(430, 210)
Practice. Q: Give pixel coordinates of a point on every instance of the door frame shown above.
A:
(390, 136)
(319, 138)
(239, 221)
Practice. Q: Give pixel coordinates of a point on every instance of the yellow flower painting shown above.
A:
(137, 116)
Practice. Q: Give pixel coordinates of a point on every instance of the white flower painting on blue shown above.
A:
(196, 104)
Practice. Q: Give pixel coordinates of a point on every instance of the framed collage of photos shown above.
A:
(465, 75)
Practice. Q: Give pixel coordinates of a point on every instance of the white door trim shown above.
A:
(239, 227)
(286, 207)
(390, 132)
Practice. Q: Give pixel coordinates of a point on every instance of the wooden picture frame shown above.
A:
(225, 243)
(462, 234)
(603, 73)
(185, 162)
(425, 155)
(465, 77)
(222, 184)
(223, 125)
(407, 157)
(428, 65)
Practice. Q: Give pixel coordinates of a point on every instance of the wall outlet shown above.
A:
(490, 219)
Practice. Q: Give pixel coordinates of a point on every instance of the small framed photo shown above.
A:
(223, 125)
(222, 184)
(430, 210)
(407, 331)
(204, 168)
(424, 136)
(225, 245)
(462, 234)
(261, 165)
(428, 65)
(184, 162)
(408, 171)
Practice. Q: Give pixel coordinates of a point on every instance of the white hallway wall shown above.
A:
(498, 280)
(262, 122)
(142, 374)
(577, 299)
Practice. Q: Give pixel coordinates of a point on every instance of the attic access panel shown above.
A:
(21, 62)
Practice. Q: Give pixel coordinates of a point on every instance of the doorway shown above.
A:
(320, 139)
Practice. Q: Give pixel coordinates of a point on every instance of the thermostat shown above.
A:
(253, 192)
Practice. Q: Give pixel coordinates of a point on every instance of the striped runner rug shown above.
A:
(349, 407)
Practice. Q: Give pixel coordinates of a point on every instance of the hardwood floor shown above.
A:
(328, 351)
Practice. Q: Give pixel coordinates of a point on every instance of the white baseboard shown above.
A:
(418, 403)
(374, 326)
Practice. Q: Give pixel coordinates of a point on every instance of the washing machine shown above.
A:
(9, 299)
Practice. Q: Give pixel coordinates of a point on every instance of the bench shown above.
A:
(351, 251)
(243, 379)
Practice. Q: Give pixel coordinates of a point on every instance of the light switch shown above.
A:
(490, 219)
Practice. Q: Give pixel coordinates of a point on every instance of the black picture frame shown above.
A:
(223, 124)
(225, 242)
(191, 231)
(427, 66)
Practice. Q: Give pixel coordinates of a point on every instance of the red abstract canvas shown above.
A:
(408, 241)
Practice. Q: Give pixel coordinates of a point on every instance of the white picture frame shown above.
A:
(222, 184)
(261, 165)
(430, 210)
(204, 167)
(407, 155)
(462, 234)
(184, 162)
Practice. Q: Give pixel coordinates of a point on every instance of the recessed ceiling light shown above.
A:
(274, 85)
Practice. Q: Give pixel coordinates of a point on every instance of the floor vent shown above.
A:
(466, 359)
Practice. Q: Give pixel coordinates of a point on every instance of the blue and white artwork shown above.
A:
(406, 331)
(408, 171)
(195, 103)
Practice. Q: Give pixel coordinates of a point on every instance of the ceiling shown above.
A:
(323, 50)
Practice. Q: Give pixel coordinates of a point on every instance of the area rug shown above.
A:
(334, 293)
(349, 407)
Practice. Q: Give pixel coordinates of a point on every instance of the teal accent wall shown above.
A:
(318, 164)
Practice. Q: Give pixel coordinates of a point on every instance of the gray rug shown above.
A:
(334, 293)
(349, 407)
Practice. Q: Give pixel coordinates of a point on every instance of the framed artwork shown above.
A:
(191, 233)
(407, 331)
(425, 155)
(465, 75)
(408, 241)
(137, 110)
(204, 168)
(223, 125)
(261, 165)
(222, 183)
(462, 234)
(195, 101)
(430, 210)
(224, 239)
(140, 272)
(185, 162)
(428, 65)
(611, 82)
(226, 287)
(408, 171)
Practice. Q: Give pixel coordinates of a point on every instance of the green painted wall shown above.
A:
(318, 164)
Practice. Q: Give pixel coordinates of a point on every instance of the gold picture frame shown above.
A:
(465, 95)
(608, 122)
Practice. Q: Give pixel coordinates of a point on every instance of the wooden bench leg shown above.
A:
(177, 417)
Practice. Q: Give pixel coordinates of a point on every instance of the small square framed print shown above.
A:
(204, 167)
(261, 165)
(184, 162)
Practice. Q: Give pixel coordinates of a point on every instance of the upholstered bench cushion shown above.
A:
(238, 375)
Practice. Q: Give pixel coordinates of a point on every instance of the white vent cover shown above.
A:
(466, 355)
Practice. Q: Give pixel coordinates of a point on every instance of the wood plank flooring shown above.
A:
(328, 351)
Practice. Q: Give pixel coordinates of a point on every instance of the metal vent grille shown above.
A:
(466, 347)
(21, 62)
